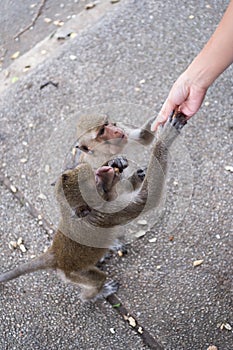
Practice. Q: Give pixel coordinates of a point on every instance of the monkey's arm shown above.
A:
(143, 135)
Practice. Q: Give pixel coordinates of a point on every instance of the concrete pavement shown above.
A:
(124, 63)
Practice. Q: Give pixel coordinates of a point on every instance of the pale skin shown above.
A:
(188, 92)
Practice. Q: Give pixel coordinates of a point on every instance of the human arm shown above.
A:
(188, 92)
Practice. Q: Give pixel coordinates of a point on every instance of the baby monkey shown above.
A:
(76, 261)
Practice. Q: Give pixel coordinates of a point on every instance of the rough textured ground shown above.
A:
(128, 60)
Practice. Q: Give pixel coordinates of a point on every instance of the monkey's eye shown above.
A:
(83, 148)
(101, 130)
(114, 124)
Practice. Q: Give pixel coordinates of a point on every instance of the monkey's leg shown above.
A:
(92, 283)
(118, 247)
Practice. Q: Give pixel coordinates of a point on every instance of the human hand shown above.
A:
(185, 95)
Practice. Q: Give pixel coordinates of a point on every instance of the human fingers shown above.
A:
(164, 113)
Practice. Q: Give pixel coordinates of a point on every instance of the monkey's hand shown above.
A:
(141, 173)
(137, 177)
(119, 163)
(172, 127)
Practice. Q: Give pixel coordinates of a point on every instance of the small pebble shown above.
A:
(132, 321)
(140, 330)
(47, 20)
(19, 241)
(12, 244)
(153, 240)
(227, 326)
(41, 196)
(229, 168)
(22, 248)
(58, 23)
(140, 233)
(73, 57)
(13, 189)
(142, 222)
(198, 262)
(90, 6)
(47, 168)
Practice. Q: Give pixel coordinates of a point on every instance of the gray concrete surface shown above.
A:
(17, 15)
(132, 55)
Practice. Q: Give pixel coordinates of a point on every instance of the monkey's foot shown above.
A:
(109, 288)
(118, 245)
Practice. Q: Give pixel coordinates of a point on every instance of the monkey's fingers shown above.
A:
(177, 119)
(119, 164)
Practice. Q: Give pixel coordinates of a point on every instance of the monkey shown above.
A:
(74, 261)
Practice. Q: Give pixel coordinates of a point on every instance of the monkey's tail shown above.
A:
(43, 261)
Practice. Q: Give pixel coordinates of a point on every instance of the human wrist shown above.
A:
(200, 73)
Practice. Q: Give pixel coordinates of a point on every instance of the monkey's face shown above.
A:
(106, 138)
(78, 186)
(112, 136)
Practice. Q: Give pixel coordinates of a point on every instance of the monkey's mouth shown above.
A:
(117, 141)
(123, 138)
(104, 171)
(106, 177)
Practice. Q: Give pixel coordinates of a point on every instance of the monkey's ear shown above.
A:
(65, 177)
